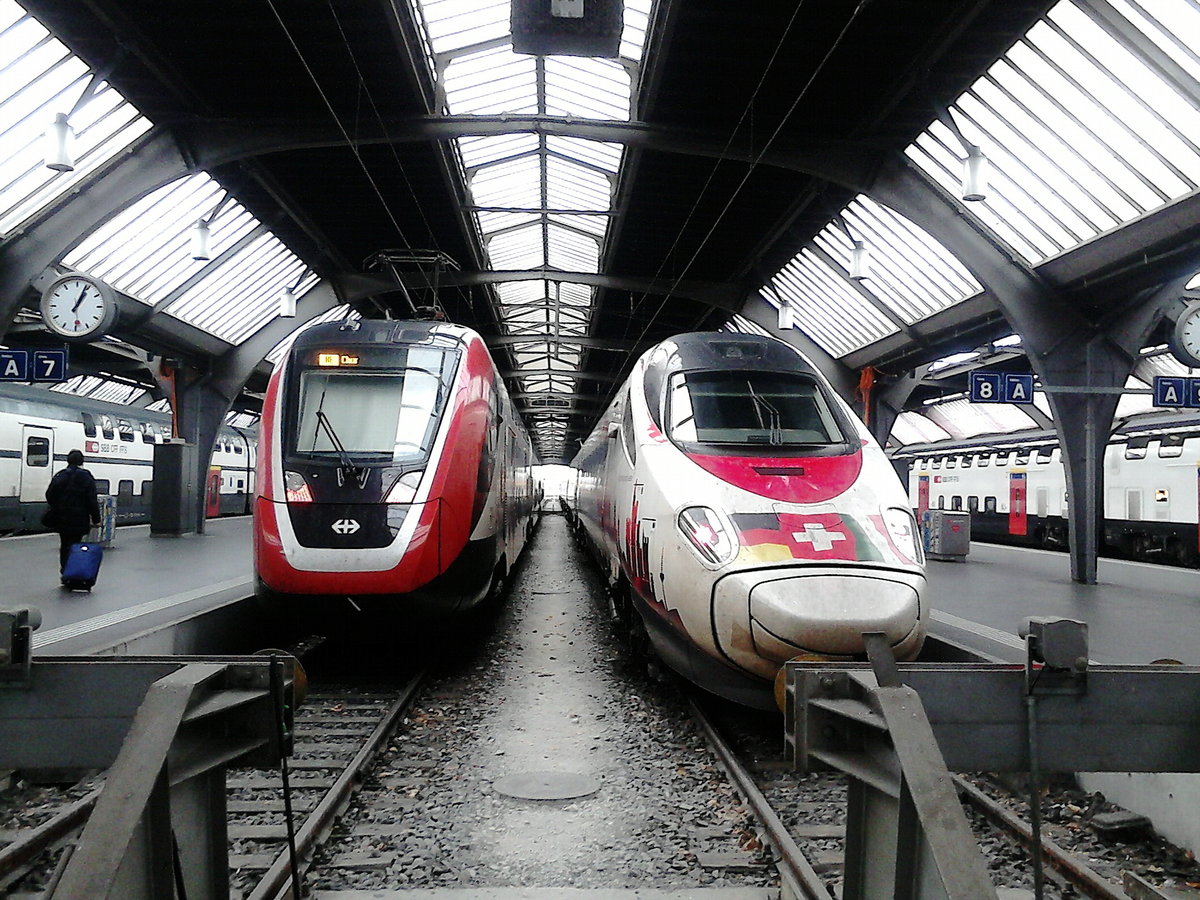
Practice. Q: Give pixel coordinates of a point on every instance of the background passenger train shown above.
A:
(394, 471)
(1017, 494)
(38, 427)
(745, 517)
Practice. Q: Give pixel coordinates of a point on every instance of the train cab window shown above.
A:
(989, 504)
(748, 408)
(1135, 448)
(956, 502)
(1170, 446)
(37, 452)
(89, 425)
(973, 504)
(124, 430)
(102, 485)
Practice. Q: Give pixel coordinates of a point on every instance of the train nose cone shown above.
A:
(828, 614)
(763, 622)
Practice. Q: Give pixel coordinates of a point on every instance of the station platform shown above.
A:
(1136, 614)
(145, 583)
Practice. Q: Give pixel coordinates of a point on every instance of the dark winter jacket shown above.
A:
(72, 499)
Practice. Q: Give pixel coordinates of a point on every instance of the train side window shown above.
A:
(89, 424)
(37, 452)
(942, 502)
(1135, 448)
(1022, 457)
(237, 449)
(124, 490)
(989, 504)
(125, 430)
(973, 504)
(147, 492)
(936, 464)
(627, 431)
(1170, 446)
(956, 502)
(985, 459)
(1044, 455)
(146, 487)
(106, 427)
(951, 462)
(102, 485)
(966, 462)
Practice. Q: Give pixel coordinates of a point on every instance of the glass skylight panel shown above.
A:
(593, 225)
(597, 154)
(1083, 134)
(490, 82)
(144, 251)
(827, 309)
(517, 250)
(39, 78)
(637, 20)
(572, 186)
(961, 418)
(914, 428)
(513, 183)
(478, 151)
(570, 251)
(1132, 404)
(491, 222)
(453, 23)
(1163, 364)
(586, 88)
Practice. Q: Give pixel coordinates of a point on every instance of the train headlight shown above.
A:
(706, 532)
(903, 530)
(296, 488)
(405, 488)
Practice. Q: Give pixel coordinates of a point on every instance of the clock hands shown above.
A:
(79, 301)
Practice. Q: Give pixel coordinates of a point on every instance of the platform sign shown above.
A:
(985, 387)
(1000, 387)
(14, 365)
(48, 365)
(1176, 391)
(1018, 388)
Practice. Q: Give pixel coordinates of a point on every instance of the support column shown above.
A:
(888, 399)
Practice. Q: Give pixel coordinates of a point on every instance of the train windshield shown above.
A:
(373, 414)
(747, 408)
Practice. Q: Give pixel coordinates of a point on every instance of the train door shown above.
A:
(1018, 522)
(922, 495)
(213, 494)
(1042, 502)
(1133, 504)
(37, 462)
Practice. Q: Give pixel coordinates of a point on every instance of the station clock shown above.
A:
(79, 307)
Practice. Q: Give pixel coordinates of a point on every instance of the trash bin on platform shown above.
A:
(108, 519)
(946, 534)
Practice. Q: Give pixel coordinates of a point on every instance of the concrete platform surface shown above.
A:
(519, 893)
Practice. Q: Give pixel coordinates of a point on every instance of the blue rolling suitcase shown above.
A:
(83, 565)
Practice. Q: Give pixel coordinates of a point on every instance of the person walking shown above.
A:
(73, 505)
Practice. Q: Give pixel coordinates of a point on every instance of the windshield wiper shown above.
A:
(772, 414)
(347, 469)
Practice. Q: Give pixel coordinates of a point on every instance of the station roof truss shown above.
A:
(724, 170)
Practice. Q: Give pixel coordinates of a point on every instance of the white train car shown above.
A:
(1017, 494)
(39, 427)
(745, 517)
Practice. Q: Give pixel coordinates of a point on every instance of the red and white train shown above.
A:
(393, 471)
(1015, 489)
(745, 517)
(38, 427)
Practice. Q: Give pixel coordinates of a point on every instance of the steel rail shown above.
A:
(33, 842)
(276, 881)
(1066, 863)
(795, 870)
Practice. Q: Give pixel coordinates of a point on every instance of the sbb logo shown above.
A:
(91, 446)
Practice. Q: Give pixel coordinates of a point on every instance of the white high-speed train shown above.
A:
(38, 427)
(745, 517)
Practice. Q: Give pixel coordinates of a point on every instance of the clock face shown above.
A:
(1185, 343)
(77, 307)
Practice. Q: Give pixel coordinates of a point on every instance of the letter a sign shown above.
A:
(1018, 388)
